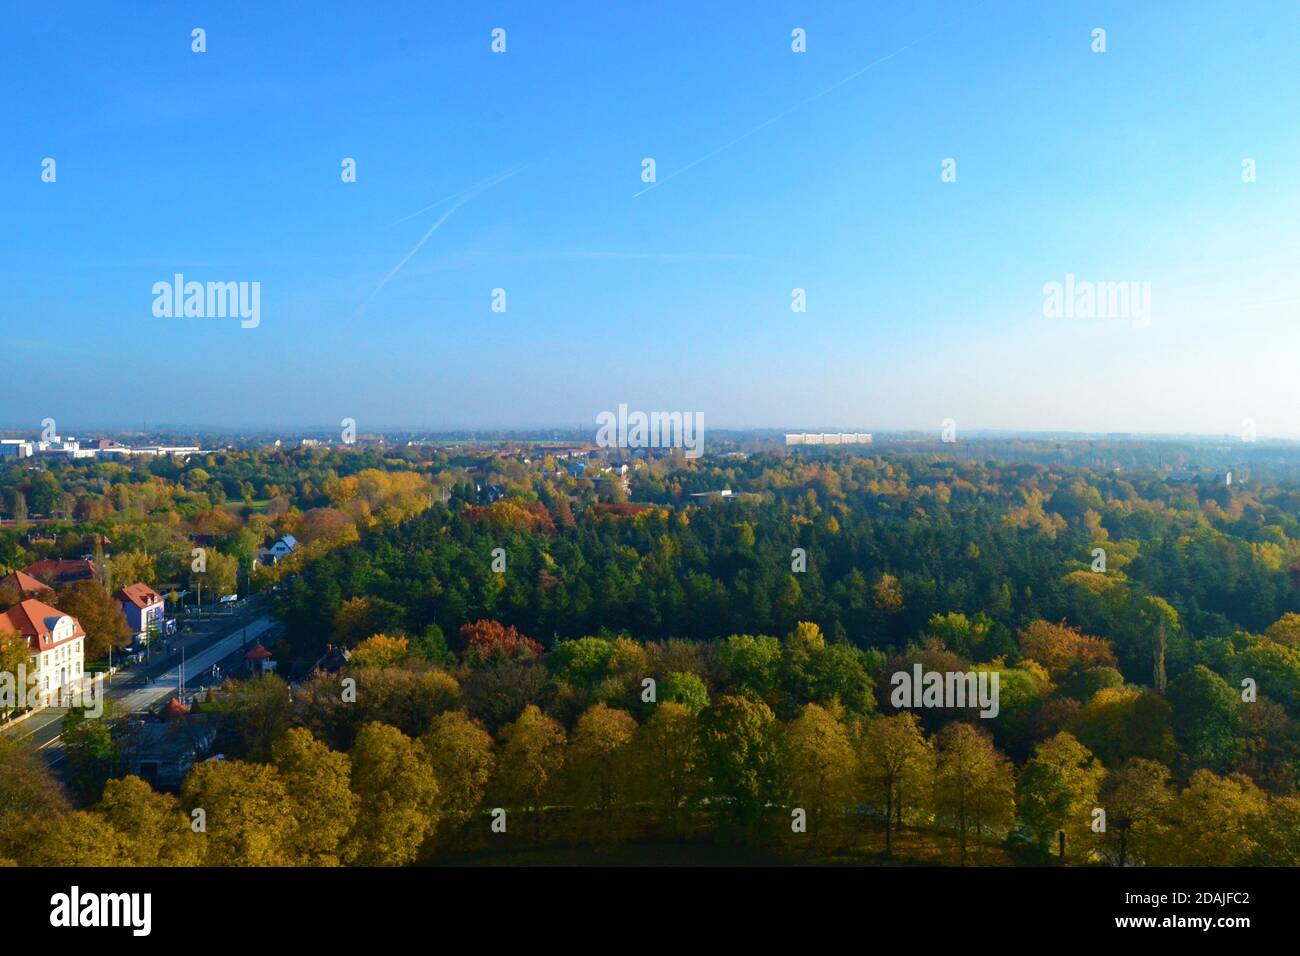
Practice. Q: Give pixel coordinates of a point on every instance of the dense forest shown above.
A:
(536, 660)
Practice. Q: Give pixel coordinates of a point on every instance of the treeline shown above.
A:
(871, 550)
(794, 745)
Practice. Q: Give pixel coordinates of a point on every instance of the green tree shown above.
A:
(897, 765)
(738, 737)
(685, 688)
(1057, 792)
(1205, 717)
(92, 752)
(668, 759)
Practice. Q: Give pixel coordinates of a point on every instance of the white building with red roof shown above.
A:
(56, 642)
(143, 608)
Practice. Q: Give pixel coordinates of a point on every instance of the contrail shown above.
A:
(491, 180)
(466, 195)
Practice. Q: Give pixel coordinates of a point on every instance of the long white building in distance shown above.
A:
(829, 438)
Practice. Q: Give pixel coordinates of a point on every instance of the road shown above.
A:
(137, 690)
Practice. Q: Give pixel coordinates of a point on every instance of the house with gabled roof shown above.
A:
(56, 642)
(57, 572)
(143, 608)
(280, 549)
(22, 585)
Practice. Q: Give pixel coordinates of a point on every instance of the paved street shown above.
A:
(221, 641)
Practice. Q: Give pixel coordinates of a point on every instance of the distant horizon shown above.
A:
(536, 431)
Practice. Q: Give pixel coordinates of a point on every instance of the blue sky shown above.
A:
(776, 170)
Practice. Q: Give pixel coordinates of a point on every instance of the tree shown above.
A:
(974, 787)
(220, 574)
(597, 758)
(254, 714)
(1119, 723)
(99, 616)
(154, 830)
(92, 752)
(738, 738)
(668, 758)
(247, 813)
(80, 838)
(1213, 822)
(1057, 793)
(896, 764)
(133, 567)
(398, 805)
(685, 688)
(15, 651)
(379, 651)
(359, 617)
(461, 757)
(887, 593)
(750, 662)
(1285, 630)
(487, 640)
(28, 792)
(1277, 833)
(531, 756)
(1134, 797)
(820, 764)
(1059, 647)
(318, 782)
(1205, 717)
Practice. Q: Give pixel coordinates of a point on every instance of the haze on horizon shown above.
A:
(776, 170)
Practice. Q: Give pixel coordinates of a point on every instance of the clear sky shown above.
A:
(776, 170)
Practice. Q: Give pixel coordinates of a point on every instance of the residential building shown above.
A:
(57, 572)
(57, 643)
(143, 608)
(18, 585)
(279, 550)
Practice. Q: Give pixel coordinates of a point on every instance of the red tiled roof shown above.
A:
(25, 583)
(257, 653)
(58, 571)
(34, 620)
(141, 595)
